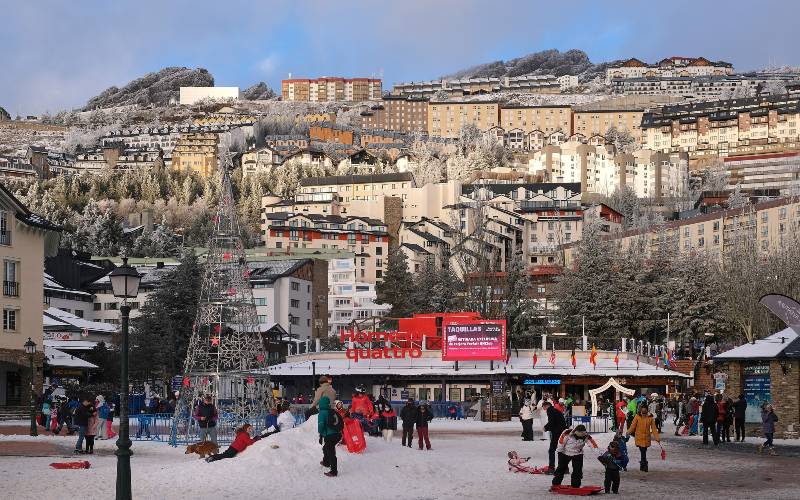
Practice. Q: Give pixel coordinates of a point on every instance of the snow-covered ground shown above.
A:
(468, 461)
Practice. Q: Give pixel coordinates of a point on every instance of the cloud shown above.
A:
(268, 65)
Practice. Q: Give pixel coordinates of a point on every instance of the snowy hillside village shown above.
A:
(539, 231)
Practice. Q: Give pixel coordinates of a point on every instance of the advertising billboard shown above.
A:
(472, 340)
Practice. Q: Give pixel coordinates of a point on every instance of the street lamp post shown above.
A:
(30, 350)
(125, 284)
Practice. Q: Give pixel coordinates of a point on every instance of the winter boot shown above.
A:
(772, 451)
(760, 449)
(643, 466)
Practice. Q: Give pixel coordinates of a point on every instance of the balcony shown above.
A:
(11, 288)
(5, 237)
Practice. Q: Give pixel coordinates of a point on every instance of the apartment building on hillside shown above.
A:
(351, 300)
(532, 84)
(447, 118)
(406, 114)
(670, 66)
(350, 188)
(331, 89)
(544, 118)
(196, 153)
(367, 238)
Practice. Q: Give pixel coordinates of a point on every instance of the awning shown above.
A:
(54, 357)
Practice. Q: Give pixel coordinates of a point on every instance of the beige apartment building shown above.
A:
(351, 188)
(260, 160)
(621, 113)
(769, 223)
(25, 240)
(331, 89)
(367, 238)
(447, 118)
(546, 119)
(196, 153)
(406, 114)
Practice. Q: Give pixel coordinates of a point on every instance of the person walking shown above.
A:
(409, 417)
(102, 412)
(110, 420)
(206, 416)
(570, 450)
(543, 414)
(81, 421)
(694, 419)
(708, 416)
(768, 419)
(95, 423)
(424, 416)
(555, 426)
(526, 417)
(621, 411)
(722, 416)
(643, 427)
(739, 409)
(329, 425)
(612, 462)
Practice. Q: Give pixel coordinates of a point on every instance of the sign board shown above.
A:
(57, 336)
(757, 390)
(404, 395)
(474, 340)
(497, 386)
(541, 381)
(396, 345)
(719, 381)
(177, 382)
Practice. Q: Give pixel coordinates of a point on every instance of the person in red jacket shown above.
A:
(722, 415)
(621, 406)
(239, 444)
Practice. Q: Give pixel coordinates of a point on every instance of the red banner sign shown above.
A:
(474, 340)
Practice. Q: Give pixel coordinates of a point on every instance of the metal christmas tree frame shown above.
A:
(225, 358)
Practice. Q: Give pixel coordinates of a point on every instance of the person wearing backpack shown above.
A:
(330, 426)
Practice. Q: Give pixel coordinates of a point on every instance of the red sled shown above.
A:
(582, 491)
(71, 465)
(354, 436)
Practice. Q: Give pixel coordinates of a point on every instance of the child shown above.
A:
(389, 423)
(239, 444)
(110, 421)
(54, 418)
(622, 445)
(612, 460)
(570, 449)
(91, 432)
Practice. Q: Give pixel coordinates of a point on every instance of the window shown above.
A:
(10, 320)
(110, 306)
(294, 320)
(295, 286)
(378, 262)
(10, 278)
(540, 289)
(260, 301)
(79, 313)
(379, 251)
(98, 306)
(262, 318)
(295, 303)
(716, 225)
(379, 274)
(5, 233)
(716, 239)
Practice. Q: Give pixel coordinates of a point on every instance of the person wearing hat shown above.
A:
(570, 450)
(409, 416)
(206, 415)
(526, 418)
(642, 427)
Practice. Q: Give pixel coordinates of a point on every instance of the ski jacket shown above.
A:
(361, 404)
(526, 412)
(739, 407)
(709, 412)
(570, 445)
(424, 416)
(325, 389)
(555, 421)
(409, 415)
(324, 405)
(285, 421)
(242, 441)
(82, 414)
(722, 411)
(621, 407)
(642, 428)
(209, 411)
(610, 461)
(768, 419)
(91, 427)
(271, 420)
(389, 419)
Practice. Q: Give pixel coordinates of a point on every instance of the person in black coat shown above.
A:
(81, 420)
(555, 425)
(708, 415)
(409, 416)
(424, 415)
(739, 408)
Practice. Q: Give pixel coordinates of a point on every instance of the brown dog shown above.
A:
(203, 448)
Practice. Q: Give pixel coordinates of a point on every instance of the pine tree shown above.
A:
(397, 287)
(521, 311)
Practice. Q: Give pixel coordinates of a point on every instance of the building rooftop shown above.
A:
(357, 179)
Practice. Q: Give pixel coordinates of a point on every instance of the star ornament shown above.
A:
(250, 380)
(215, 341)
(186, 381)
(226, 256)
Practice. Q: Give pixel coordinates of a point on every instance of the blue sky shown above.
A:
(56, 54)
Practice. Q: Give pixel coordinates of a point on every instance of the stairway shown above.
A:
(14, 413)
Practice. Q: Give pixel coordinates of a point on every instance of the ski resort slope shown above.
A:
(468, 461)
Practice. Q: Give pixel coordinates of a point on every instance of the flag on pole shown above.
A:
(593, 357)
(553, 356)
(573, 359)
(616, 359)
(667, 359)
(637, 360)
(658, 359)
(535, 359)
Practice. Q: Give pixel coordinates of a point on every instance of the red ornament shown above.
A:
(186, 381)
(205, 380)
(216, 219)
(260, 358)
(250, 380)
(226, 256)
(217, 328)
(246, 274)
(214, 340)
(231, 291)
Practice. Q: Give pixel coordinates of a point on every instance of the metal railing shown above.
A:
(5, 237)
(11, 288)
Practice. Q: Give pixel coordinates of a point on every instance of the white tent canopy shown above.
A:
(766, 348)
(54, 357)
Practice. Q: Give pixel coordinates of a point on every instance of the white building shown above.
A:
(66, 299)
(106, 306)
(190, 95)
(350, 300)
(282, 292)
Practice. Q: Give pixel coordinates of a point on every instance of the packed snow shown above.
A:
(470, 464)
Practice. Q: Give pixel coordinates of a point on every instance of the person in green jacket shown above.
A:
(633, 409)
(331, 434)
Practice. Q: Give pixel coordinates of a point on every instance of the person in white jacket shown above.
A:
(526, 417)
(285, 419)
(543, 416)
(570, 450)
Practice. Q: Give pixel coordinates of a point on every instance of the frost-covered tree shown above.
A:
(737, 199)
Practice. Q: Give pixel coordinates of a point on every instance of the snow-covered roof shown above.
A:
(766, 348)
(434, 366)
(51, 283)
(54, 357)
(54, 317)
(71, 345)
